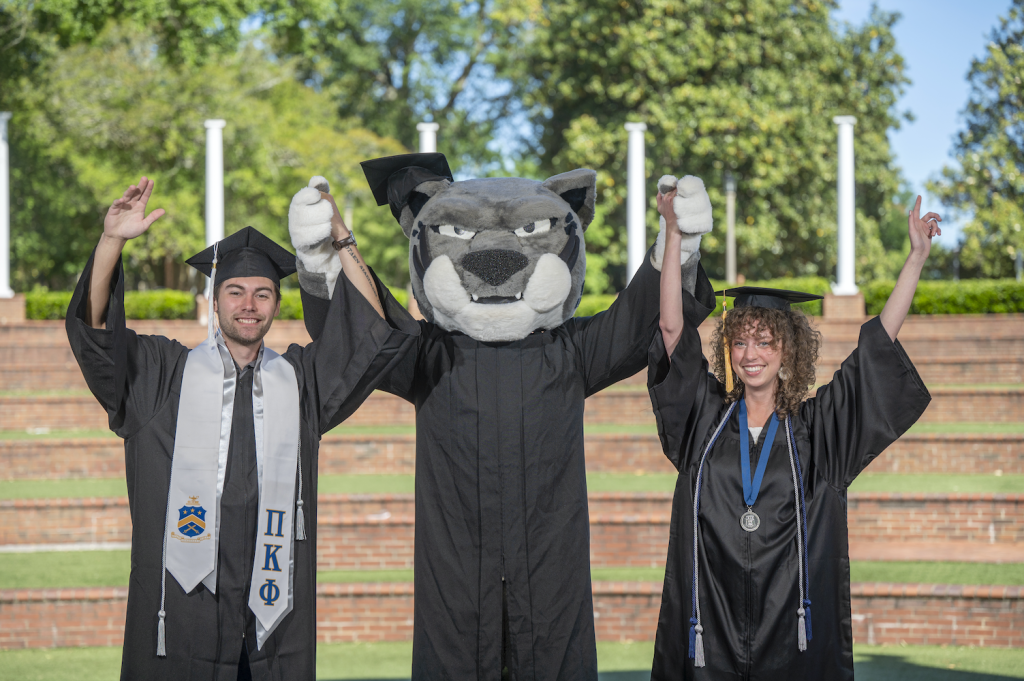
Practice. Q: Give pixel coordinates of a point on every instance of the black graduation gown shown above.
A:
(748, 581)
(501, 488)
(137, 379)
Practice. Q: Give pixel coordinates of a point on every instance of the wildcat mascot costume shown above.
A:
(499, 379)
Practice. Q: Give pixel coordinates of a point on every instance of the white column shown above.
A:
(428, 137)
(730, 229)
(5, 211)
(846, 282)
(214, 181)
(636, 199)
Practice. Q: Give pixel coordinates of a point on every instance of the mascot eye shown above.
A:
(536, 228)
(452, 230)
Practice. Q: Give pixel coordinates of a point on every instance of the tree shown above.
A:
(747, 86)
(395, 63)
(104, 110)
(988, 184)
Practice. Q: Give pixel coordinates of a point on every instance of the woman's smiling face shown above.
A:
(754, 360)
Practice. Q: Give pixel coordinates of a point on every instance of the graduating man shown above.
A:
(221, 449)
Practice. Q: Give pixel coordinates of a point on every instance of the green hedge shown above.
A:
(160, 304)
(592, 304)
(41, 304)
(969, 296)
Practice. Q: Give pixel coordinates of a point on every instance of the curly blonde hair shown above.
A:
(800, 345)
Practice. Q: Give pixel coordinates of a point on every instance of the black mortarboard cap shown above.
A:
(393, 178)
(246, 253)
(773, 298)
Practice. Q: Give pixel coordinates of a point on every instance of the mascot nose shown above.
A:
(496, 265)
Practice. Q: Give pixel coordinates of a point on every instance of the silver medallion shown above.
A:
(750, 521)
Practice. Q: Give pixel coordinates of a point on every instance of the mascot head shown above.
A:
(494, 258)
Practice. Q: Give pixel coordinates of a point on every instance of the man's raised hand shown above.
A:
(126, 218)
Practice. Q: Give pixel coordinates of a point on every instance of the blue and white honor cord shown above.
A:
(804, 609)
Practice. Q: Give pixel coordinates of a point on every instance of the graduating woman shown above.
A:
(758, 529)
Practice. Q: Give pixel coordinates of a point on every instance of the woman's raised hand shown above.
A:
(126, 218)
(922, 229)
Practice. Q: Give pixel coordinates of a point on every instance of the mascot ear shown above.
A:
(579, 189)
(418, 198)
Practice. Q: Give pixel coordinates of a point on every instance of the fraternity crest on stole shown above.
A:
(191, 522)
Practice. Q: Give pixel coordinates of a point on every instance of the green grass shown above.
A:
(631, 482)
(938, 482)
(1010, 574)
(352, 576)
(366, 484)
(55, 489)
(340, 661)
(628, 574)
(344, 429)
(977, 386)
(54, 569)
(966, 428)
(937, 663)
(391, 660)
(596, 482)
(590, 429)
(54, 434)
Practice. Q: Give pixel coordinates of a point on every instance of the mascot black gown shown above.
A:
(499, 379)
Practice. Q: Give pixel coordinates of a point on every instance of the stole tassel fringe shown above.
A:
(161, 637)
(807, 617)
(693, 637)
(698, 655)
(300, 522)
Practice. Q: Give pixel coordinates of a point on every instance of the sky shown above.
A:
(938, 39)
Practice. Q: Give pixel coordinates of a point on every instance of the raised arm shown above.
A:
(671, 321)
(126, 219)
(357, 271)
(921, 232)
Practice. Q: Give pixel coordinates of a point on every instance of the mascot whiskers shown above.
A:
(499, 378)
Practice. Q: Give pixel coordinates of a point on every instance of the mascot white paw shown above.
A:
(309, 225)
(692, 206)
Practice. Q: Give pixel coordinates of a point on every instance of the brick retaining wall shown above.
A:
(348, 454)
(908, 517)
(938, 614)
(917, 614)
(616, 406)
(367, 532)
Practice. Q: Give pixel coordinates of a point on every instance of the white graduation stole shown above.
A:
(198, 467)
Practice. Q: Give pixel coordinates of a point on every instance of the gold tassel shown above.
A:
(728, 354)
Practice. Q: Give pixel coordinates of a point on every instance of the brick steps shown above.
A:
(346, 454)
(23, 373)
(373, 532)
(916, 614)
(624, 406)
(953, 349)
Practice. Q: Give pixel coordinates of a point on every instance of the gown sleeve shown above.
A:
(353, 348)
(132, 376)
(614, 343)
(685, 396)
(874, 397)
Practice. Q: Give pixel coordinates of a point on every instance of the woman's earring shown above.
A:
(783, 374)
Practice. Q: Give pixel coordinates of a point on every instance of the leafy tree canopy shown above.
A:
(109, 108)
(988, 182)
(394, 63)
(747, 86)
